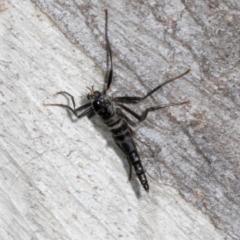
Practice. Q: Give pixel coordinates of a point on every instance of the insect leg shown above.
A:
(109, 73)
(143, 116)
(126, 118)
(135, 99)
(74, 111)
(72, 98)
(129, 163)
(130, 169)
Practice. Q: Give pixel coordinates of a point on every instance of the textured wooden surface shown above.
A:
(67, 180)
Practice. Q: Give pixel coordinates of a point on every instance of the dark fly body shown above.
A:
(110, 111)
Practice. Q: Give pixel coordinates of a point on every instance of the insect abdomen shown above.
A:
(122, 135)
(134, 158)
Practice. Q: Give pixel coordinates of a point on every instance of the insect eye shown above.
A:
(97, 94)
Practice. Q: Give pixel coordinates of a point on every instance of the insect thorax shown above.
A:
(103, 107)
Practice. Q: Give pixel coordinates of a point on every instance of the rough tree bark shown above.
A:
(66, 179)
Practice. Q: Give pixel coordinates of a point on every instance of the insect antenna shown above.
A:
(109, 73)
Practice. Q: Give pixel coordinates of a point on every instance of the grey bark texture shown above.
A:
(66, 179)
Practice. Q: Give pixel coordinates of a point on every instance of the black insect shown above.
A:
(109, 110)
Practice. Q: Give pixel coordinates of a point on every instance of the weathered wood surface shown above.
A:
(67, 180)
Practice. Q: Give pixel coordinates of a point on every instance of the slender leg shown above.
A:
(72, 98)
(109, 73)
(74, 111)
(135, 99)
(143, 116)
(129, 164)
(125, 117)
(130, 170)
